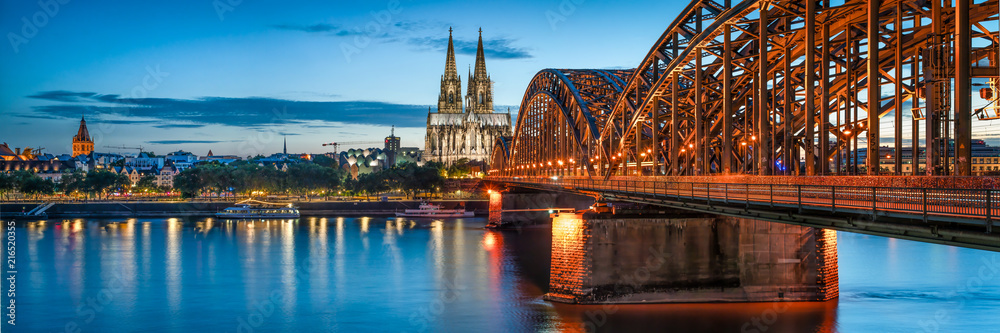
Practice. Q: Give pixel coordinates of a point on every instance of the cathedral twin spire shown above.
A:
(455, 133)
(450, 68)
(450, 99)
(480, 58)
(479, 96)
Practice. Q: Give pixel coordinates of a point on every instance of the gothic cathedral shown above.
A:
(454, 133)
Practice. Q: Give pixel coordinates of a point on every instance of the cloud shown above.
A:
(126, 122)
(431, 39)
(181, 142)
(504, 108)
(319, 28)
(326, 29)
(313, 28)
(497, 48)
(250, 112)
(322, 126)
(179, 126)
(305, 94)
(38, 116)
(62, 96)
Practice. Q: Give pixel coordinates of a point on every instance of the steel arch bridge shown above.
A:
(787, 87)
(562, 115)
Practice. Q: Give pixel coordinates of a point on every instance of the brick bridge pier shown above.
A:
(663, 256)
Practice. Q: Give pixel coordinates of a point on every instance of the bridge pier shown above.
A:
(603, 258)
(518, 207)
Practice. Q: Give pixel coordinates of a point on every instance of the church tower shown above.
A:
(450, 99)
(454, 134)
(479, 98)
(82, 143)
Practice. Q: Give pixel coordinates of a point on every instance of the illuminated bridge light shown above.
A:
(593, 112)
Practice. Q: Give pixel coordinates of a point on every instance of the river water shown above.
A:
(385, 274)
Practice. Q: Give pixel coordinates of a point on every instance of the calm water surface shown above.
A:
(400, 275)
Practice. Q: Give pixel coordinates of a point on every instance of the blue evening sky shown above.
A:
(236, 76)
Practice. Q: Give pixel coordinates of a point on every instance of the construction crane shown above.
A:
(351, 143)
(31, 153)
(124, 147)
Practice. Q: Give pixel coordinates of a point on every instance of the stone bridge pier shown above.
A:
(682, 257)
(521, 207)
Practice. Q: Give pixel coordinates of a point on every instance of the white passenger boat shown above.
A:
(432, 210)
(253, 209)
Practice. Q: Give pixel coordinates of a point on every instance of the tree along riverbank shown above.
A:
(205, 208)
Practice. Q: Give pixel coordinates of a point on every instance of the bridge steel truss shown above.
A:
(755, 87)
(559, 122)
(501, 151)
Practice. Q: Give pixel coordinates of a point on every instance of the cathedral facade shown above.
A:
(454, 133)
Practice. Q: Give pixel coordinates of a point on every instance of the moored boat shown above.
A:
(23, 216)
(253, 209)
(432, 210)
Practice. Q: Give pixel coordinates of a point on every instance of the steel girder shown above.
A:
(500, 155)
(721, 107)
(559, 121)
(754, 86)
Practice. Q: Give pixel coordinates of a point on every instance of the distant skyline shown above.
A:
(237, 76)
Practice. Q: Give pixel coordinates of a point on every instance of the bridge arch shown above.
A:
(559, 121)
(780, 87)
(499, 156)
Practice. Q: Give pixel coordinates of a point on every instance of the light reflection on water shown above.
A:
(390, 274)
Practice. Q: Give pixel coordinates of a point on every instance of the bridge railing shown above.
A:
(971, 206)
